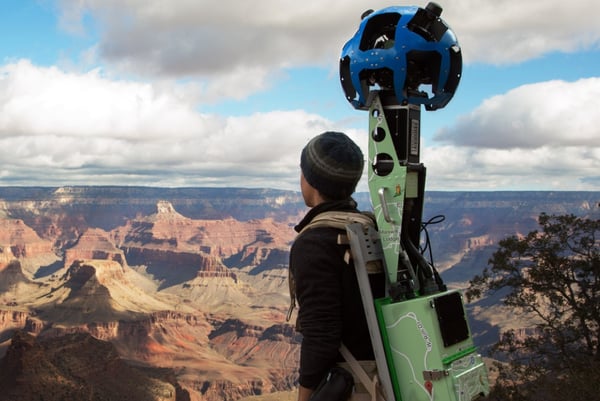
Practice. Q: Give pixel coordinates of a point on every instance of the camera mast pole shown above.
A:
(420, 334)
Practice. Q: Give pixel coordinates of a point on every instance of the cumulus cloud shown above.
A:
(42, 101)
(86, 129)
(200, 39)
(552, 114)
(511, 31)
(187, 38)
(93, 126)
(544, 168)
(547, 132)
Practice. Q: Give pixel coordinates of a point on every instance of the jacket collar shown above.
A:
(338, 205)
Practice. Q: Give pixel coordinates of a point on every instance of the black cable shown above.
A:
(427, 247)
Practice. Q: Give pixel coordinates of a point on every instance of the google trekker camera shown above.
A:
(400, 59)
(409, 54)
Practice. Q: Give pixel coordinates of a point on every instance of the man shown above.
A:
(330, 307)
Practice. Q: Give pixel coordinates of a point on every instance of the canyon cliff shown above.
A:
(193, 281)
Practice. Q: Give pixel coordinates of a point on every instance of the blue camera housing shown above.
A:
(406, 53)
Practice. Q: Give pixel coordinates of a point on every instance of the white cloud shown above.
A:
(570, 168)
(204, 39)
(511, 31)
(185, 38)
(64, 127)
(61, 128)
(42, 101)
(555, 114)
(537, 136)
(86, 129)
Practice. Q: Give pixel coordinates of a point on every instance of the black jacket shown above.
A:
(330, 307)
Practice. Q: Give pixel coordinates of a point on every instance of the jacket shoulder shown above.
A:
(340, 220)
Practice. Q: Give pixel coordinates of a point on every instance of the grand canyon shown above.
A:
(182, 293)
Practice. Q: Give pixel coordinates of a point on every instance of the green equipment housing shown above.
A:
(420, 333)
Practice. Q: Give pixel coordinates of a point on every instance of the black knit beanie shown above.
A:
(332, 164)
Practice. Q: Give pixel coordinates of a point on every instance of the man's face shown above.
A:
(308, 192)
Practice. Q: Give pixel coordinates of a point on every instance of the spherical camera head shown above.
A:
(407, 54)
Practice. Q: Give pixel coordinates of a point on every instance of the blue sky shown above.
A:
(182, 93)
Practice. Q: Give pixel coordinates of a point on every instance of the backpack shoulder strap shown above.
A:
(339, 219)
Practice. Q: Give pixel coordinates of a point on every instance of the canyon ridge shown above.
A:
(182, 293)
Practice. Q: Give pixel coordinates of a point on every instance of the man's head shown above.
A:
(332, 164)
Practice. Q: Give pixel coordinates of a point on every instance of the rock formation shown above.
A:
(157, 288)
(77, 367)
(192, 282)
